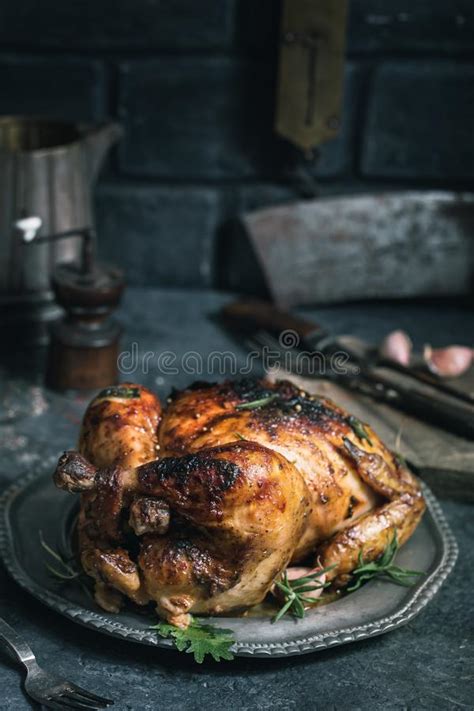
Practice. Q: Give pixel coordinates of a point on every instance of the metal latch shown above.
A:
(311, 71)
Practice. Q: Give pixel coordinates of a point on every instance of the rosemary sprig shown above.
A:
(400, 460)
(67, 573)
(383, 568)
(294, 592)
(359, 429)
(123, 391)
(255, 404)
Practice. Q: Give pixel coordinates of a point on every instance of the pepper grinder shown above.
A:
(84, 344)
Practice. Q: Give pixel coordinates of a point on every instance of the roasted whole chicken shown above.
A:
(199, 508)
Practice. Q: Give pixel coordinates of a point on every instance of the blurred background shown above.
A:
(193, 85)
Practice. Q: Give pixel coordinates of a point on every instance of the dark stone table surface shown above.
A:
(428, 664)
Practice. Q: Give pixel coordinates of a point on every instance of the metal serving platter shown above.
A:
(33, 504)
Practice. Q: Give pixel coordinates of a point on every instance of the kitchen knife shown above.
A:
(444, 410)
(313, 337)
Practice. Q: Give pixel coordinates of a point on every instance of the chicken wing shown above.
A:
(120, 426)
(238, 512)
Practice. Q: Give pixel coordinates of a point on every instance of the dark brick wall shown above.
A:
(420, 120)
(193, 85)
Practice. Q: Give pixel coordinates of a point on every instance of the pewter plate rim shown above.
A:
(402, 614)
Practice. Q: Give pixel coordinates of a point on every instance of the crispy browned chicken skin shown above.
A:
(251, 475)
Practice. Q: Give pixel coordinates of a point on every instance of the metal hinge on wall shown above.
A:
(311, 71)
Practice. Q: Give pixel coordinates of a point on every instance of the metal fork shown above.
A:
(51, 691)
(452, 417)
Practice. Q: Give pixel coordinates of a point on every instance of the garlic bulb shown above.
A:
(448, 362)
(397, 347)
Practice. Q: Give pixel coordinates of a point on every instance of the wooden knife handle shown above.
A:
(261, 314)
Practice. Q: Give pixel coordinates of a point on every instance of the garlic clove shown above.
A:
(397, 346)
(300, 572)
(294, 572)
(448, 362)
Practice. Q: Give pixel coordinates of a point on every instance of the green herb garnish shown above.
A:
(124, 391)
(400, 460)
(383, 568)
(199, 639)
(240, 436)
(255, 404)
(294, 592)
(359, 429)
(63, 570)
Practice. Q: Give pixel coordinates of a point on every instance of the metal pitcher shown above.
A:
(47, 170)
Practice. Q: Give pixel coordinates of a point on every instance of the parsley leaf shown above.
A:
(199, 639)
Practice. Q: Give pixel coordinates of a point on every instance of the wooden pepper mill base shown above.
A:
(83, 367)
